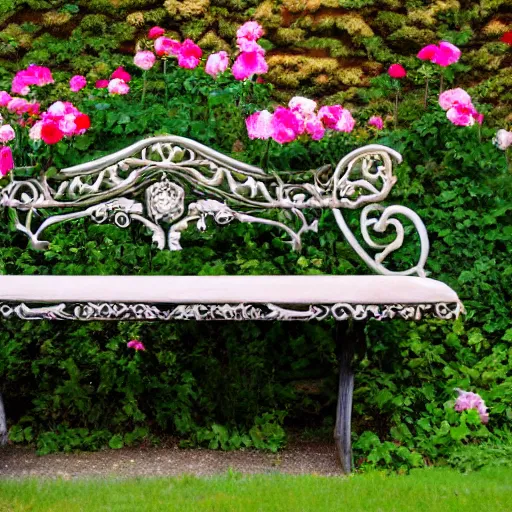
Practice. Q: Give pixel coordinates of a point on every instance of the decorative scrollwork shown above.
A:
(167, 183)
(207, 312)
(381, 225)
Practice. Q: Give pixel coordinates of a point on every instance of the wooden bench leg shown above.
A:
(346, 340)
(3, 423)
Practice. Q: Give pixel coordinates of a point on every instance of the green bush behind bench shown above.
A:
(77, 386)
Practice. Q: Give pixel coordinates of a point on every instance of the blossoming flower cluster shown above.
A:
(376, 122)
(251, 59)
(23, 111)
(468, 400)
(187, 53)
(286, 124)
(118, 83)
(33, 75)
(62, 119)
(459, 107)
(6, 161)
(77, 83)
(444, 54)
(19, 106)
(136, 345)
(503, 139)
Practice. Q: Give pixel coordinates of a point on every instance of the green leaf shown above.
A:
(459, 433)
(116, 442)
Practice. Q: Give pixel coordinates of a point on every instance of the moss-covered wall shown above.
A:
(317, 47)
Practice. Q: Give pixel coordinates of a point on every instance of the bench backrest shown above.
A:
(169, 182)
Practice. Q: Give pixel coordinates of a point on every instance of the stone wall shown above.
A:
(316, 47)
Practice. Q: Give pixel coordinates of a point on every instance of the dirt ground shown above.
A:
(299, 458)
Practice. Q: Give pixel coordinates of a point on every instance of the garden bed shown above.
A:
(299, 458)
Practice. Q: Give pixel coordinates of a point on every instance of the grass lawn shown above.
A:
(427, 490)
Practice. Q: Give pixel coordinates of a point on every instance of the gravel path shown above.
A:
(300, 458)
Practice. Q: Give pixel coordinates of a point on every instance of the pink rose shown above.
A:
(33, 108)
(22, 106)
(428, 52)
(217, 63)
(446, 54)
(303, 106)
(377, 122)
(314, 127)
(462, 114)
(250, 30)
(245, 45)
(248, 64)
(77, 83)
(503, 139)
(166, 46)
(5, 98)
(39, 75)
(6, 161)
(118, 86)
(337, 118)
(155, 32)
(33, 75)
(397, 71)
(18, 105)
(144, 60)
(468, 400)
(35, 131)
(58, 108)
(259, 125)
(189, 54)
(286, 126)
(101, 84)
(67, 125)
(121, 74)
(452, 96)
(19, 85)
(136, 345)
(6, 133)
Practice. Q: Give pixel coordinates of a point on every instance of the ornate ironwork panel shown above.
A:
(168, 183)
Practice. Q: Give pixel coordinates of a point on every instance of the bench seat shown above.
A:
(226, 297)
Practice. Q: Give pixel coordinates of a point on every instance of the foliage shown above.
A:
(77, 386)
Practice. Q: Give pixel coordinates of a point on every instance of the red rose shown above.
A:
(121, 74)
(83, 123)
(397, 71)
(51, 134)
(507, 38)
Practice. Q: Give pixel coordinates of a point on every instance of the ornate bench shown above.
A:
(168, 183)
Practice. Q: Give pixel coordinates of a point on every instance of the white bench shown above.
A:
(167, 183)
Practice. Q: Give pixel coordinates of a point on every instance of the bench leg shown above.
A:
(346, 340)
(3, 423)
